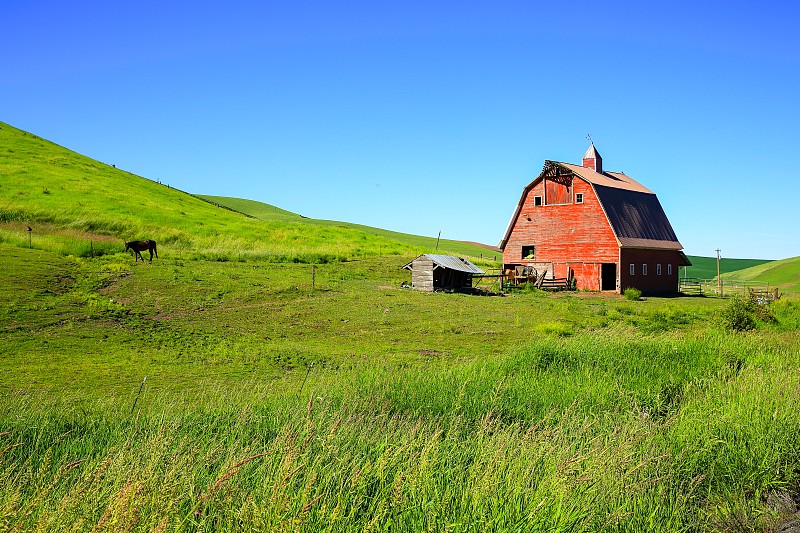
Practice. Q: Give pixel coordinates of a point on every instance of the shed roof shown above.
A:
(633, 210)
(449, 261)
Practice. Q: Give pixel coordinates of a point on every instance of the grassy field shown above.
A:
(784, 274)
(223, 388)
(268, 212)
(78, 206)
(706, 267)
(358, 405)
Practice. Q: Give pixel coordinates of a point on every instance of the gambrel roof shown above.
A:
(633, 211)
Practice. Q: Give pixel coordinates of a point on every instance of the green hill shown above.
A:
(706, 267)
(784, 274)
(269, 212)
(79, 206)
(253, 208)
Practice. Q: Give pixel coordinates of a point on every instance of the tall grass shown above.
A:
(583, 437)
(276, 404)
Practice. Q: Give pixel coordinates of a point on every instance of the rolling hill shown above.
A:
(253, 208)
(784, 274)
(264, 211)
(218, 395)
(79, 206)
(706, 267)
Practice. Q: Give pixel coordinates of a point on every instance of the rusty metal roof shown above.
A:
(449, 261)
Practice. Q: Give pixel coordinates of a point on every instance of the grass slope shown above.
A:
(253, 208)
(269, 212)
(271, 404)
(784, 274)
(79, 206)
(358, 406)
(706, 267)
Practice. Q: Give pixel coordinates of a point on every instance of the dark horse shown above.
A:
(140, 246)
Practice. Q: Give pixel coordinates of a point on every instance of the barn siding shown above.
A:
(587, 275)
(557, 193)
(652, 283)
(576, 236)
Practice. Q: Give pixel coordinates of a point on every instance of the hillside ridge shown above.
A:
(784, 274)
(266, 211)
(78, 205)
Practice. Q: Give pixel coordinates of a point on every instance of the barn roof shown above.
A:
(637, 218)
(449, 261)
(617, 180)
(633, 210)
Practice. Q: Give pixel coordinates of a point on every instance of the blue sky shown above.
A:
(427, 116)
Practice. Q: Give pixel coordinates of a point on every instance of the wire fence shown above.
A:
(725, 288)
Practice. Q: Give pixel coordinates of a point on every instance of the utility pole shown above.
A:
(437, 239)
(719, 276)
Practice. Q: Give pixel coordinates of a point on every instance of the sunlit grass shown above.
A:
(229, 385)
(356, 405)
(56, 191)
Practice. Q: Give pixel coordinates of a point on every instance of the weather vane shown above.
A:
(588, 136)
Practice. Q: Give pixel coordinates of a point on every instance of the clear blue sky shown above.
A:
(427, 116)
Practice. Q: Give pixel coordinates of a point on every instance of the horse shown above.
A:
(139, 246)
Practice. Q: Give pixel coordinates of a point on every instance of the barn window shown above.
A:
(669, 269)
(658, 269)
(529, 252)
(633, 269)
(579, 198)
(644, 269)
(537, 201)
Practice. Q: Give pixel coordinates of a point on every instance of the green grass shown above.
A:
(255, 209)
(357, 405)
(272, 403)
(267, 212)
(78, 206)
(706, 267)
(784, 274)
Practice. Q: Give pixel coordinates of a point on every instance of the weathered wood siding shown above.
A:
(571, 236)
(587, 275)
(422, 274)
(557, 193)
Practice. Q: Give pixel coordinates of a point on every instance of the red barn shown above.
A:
(603, 229)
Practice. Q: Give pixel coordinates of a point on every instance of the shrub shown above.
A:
(739, 314)
(530, 288)
(632, 294)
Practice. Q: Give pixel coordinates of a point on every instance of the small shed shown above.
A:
(432, 272)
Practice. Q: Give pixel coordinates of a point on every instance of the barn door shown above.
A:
(608, 277)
